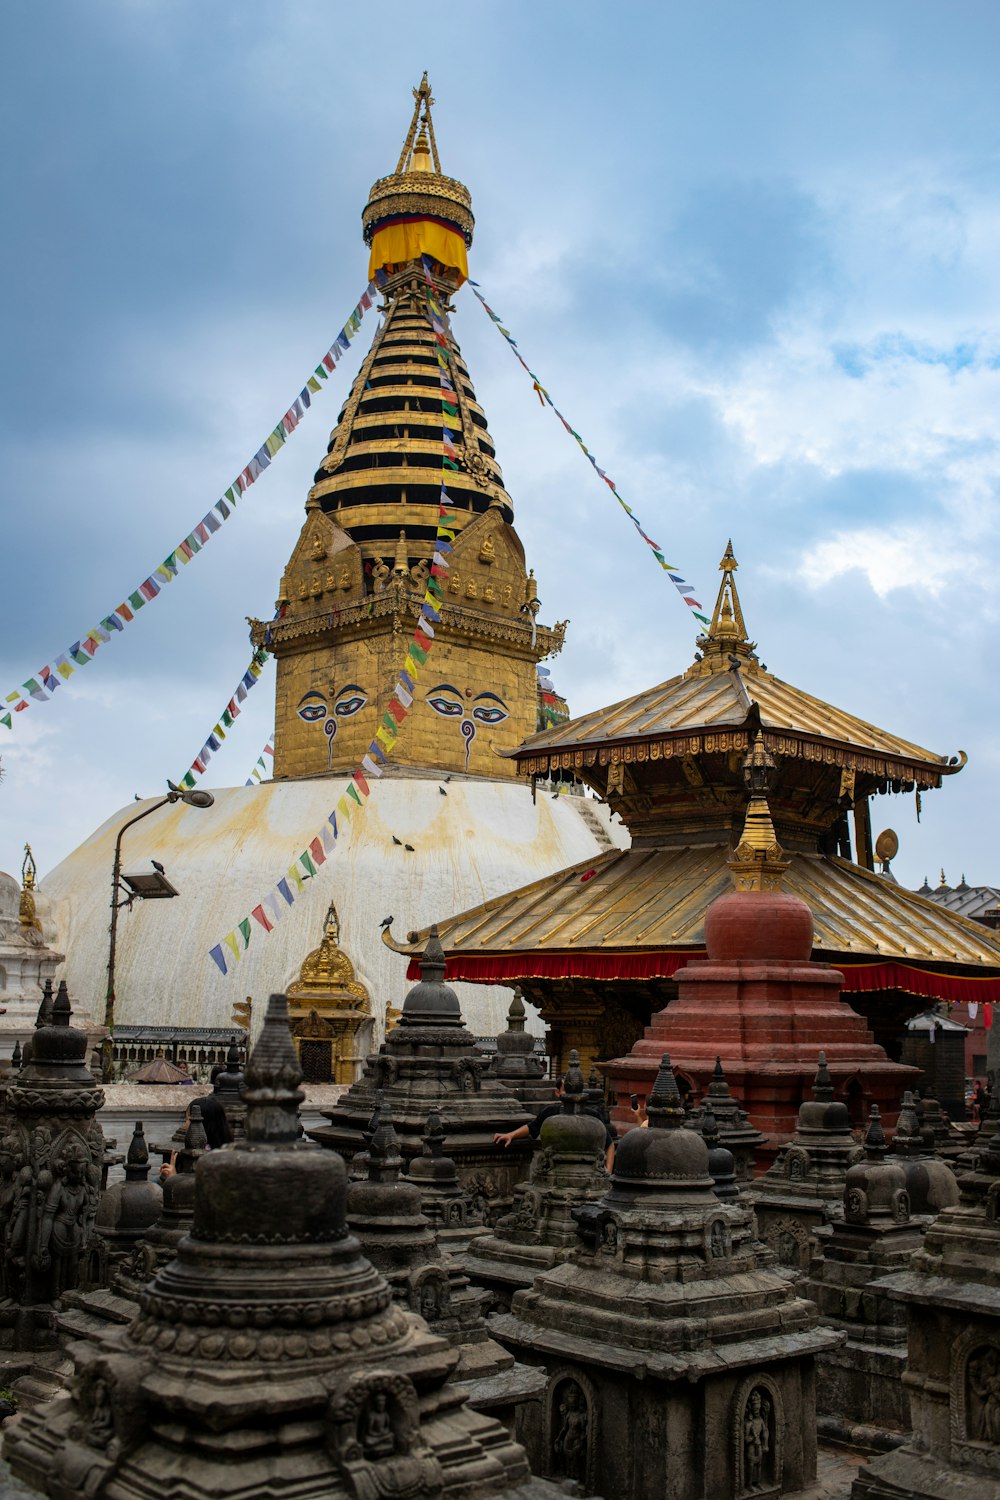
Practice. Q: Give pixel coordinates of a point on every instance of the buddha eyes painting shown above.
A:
(316, 707)
(468, 712)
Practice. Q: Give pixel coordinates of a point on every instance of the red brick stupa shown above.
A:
(760, 1003)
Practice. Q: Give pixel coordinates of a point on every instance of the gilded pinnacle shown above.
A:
(758, 862)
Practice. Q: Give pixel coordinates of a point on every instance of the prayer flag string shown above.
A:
(676, 578)
(260, 769)
(231, 711)
(41, 687)
(270, 909)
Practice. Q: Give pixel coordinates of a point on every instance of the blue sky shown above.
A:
(751, 249)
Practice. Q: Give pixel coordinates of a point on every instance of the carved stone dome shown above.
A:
(431, 999)
(666, 1156)
(758, 926)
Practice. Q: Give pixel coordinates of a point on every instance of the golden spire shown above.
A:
(401, 562)
(758, 862)
(27, 915)
(412, 148)
(727, 634)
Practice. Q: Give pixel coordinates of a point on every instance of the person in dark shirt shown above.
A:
(533, 1128)
(213, 1115)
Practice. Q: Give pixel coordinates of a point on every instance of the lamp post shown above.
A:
(174, 794)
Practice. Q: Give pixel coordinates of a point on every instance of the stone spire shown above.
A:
(269, 1353)
(516, 1064)
(721, 1162)
(450, 1211)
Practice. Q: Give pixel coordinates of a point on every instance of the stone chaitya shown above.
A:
(861, 1393)
(950, 1294)
(665, 1323)
(384, 1212)
(430, 1062)
(269, 1357)
(930, 1183)
(733, 1123)
(127, 1210)
(567, 1170)
(517, 1065)
(51, 1159)
(451, 1212)
(802, 1193)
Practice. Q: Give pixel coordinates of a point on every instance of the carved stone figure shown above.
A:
(380, 576)
(570, 1444)
(984, 1390)
(756, 1438)
(376, 1428)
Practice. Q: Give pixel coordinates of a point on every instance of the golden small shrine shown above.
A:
(27, 915)
(329, 1009)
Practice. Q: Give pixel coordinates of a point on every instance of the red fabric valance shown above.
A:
(512, 968)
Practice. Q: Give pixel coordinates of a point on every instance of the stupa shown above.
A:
(597, 948)
(539, 1232)
(430, 1062)
(516, 1063)
(347, 602)
(758, 998)
(950, 1293)
(51, 1159)
(449, 1209)
(269, 1356)
(930, 1182)
(801, 1194)
(736, 1132)
(664, 1322)
(861, 1392)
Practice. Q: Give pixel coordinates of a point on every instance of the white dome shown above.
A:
(482, 839)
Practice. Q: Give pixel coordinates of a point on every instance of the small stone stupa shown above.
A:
(950, 1293)
(931, 1184)
(860, 1391)
(735, 1130)
(665, 1323)
(800, 1196)
(540, 1232)
(269, 1356)
(450, 1211)
(129, 1209)
(430, 1062)
(51, 1159)
(517, 1065)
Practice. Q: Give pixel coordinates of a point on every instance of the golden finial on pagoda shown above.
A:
(29, 874)
(727, 635)
(758, 862)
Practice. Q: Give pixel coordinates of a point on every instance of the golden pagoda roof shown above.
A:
(725, 689)
(653, 901)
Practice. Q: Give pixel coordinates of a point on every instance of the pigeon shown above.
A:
(442, 791)
(158, 867)
(395, 840)
(409, 847)
(386, 922)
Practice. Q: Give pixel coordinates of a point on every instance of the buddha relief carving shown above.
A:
(757, 1436)
(982, 1407)
(756, 1439)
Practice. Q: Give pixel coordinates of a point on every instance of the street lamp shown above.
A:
(137, 887)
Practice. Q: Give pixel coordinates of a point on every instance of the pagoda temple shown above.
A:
(595, 949)
(450, 819)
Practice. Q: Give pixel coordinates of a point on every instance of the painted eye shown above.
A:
(446, 706)
(490, 715)
(311, 712)
(348, 706)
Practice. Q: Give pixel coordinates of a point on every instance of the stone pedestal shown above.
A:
(430, 1062)
(51, 1160)
(678, 1366)
(760, 1003)
(950, 1295)
(268, 1357)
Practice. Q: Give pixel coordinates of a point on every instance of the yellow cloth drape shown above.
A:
(397, 243)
